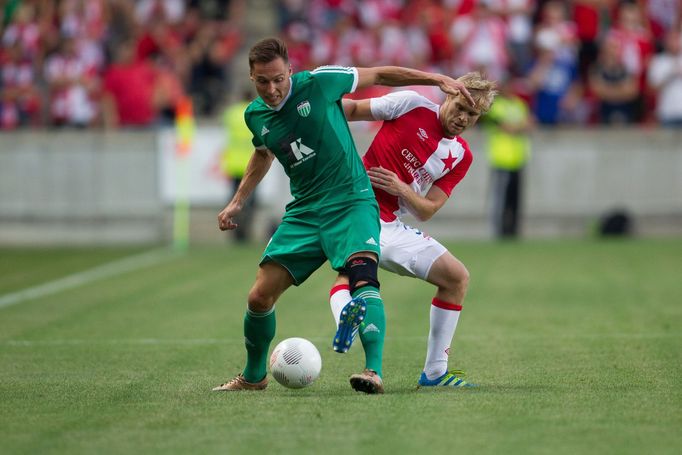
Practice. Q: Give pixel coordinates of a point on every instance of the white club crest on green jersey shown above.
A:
(303, 108)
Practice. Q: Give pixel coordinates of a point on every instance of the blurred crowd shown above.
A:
(573, 61)
(126, 63)
(114, 63)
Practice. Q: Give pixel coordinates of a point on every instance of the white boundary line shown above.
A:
(108, 270)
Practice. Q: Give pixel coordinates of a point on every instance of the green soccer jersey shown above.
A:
(309, 135)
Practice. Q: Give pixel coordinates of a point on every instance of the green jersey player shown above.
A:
(298, 119)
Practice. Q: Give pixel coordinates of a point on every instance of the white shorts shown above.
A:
(408, 251)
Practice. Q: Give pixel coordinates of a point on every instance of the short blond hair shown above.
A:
(482, 90)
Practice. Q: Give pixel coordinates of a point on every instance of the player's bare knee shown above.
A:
(457, 279)
(462, 277)
(259, 301)
(362, 271)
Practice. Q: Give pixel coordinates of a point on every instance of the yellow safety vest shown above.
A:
(238, 149)
(507, 151)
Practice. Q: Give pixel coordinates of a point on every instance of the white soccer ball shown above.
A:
(295, 363)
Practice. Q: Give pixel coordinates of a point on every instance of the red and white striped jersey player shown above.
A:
(414, 162)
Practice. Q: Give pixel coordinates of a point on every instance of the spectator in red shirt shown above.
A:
(129, 90)
(590, 18)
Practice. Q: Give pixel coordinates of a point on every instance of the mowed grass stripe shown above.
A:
(402, 339)
(575, 345)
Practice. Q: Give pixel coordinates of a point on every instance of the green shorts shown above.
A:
(306, 239)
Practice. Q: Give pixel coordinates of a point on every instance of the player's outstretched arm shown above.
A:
(422, 207)
(397, 76)
(356, 110)
(258, 166)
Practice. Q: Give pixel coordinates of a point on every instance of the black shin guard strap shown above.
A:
(361, 269)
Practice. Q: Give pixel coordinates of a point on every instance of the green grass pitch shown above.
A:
(576, 347)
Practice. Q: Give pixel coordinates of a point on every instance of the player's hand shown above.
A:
(387, 180)
(453, 87)
(225, 222)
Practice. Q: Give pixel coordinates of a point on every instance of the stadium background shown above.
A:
(110, 341)
(72, 156)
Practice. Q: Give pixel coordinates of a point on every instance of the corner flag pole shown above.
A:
(184, 134)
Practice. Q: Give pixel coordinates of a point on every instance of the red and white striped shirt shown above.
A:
(411, 143)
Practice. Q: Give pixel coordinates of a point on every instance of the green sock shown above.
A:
(373, 327)
(259, 330)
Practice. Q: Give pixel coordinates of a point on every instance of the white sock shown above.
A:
(339, 296)
(444, 317)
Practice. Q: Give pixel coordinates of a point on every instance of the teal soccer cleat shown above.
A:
(352, 316)
(449, 379)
